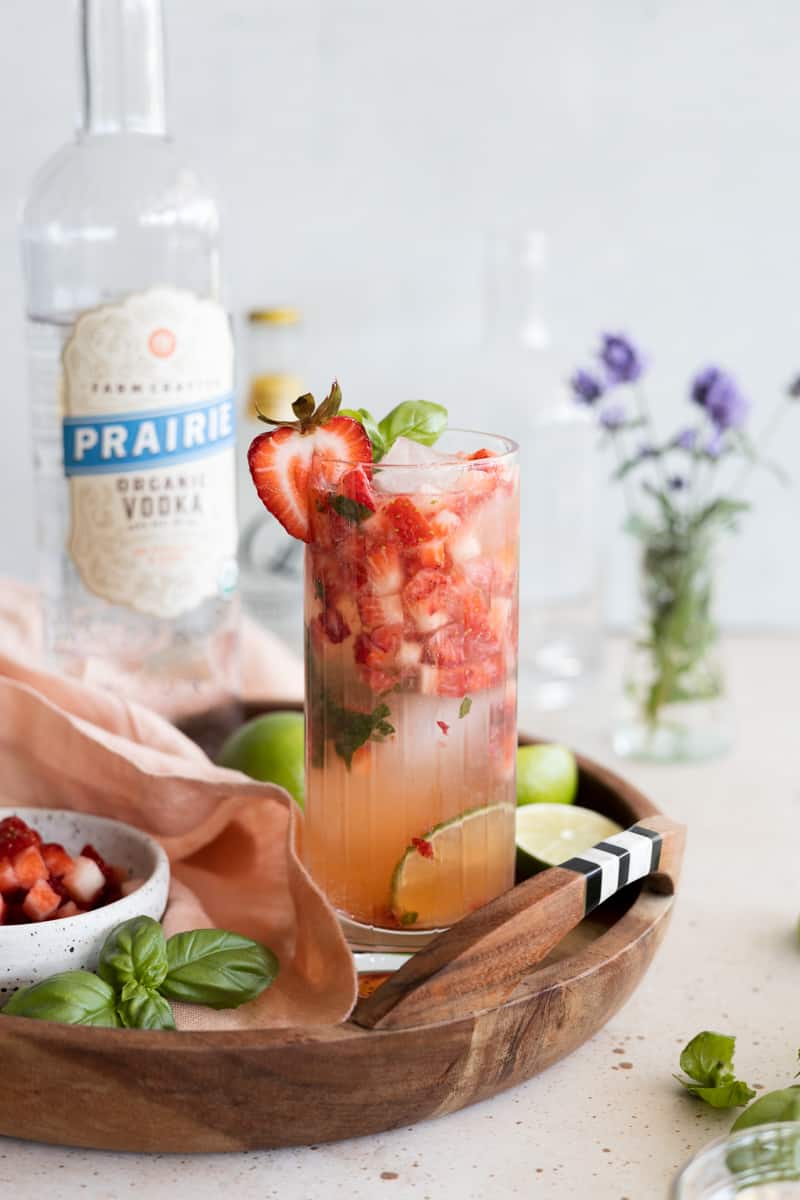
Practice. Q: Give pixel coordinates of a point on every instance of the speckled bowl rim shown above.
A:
(160, 862)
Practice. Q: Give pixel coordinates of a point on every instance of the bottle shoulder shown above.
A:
(116, 180)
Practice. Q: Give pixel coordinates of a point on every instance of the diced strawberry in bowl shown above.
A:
(74, 899)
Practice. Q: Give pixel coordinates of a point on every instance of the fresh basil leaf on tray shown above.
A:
(144, 1008)
(72, 998)
(135, 951)
(218, 969)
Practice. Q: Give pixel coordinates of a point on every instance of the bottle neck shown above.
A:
(122, 48)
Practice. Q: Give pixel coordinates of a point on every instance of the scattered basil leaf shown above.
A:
(371, 429)
(420, 420)
(781, 1105)
(350, 729)
(464, 706)
(144, 1008)
(72, 998)
(135, 952)
(352, 510)
(220, 969)
(708, 1061)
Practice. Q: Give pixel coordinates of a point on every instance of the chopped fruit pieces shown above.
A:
(422, 846)
(380, 610)
(355, 486)
(29, 867)
(445, 647)
(445, 728)
(333, 625)
(40, 881)
(427, 598)
(56, 859)
(379, 648)
(85, 881)
(41, 901)
(384, 571)
(407, 522)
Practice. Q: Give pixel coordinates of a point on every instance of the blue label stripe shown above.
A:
(111, 444)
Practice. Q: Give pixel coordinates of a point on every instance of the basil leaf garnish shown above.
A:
(220, 969)
(134, 951)
(144, 1008)
(73, 998)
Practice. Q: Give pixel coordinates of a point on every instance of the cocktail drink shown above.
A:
(411, 618)
(411, 653)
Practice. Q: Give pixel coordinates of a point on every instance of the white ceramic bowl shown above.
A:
(29, 953)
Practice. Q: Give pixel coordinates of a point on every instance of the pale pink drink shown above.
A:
(411, 654)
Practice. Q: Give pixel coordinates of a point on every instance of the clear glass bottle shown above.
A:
(131, 369)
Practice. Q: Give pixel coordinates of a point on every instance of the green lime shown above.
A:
(549, 834)
(546, 774)
(451, 870)
(270, 748)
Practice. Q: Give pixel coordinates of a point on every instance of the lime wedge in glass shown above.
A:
(454, 868)
(546, 774)
(549, 834)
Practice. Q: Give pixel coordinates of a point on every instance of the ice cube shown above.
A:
(443, 475)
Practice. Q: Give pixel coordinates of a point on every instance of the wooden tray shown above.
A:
(391, 1064)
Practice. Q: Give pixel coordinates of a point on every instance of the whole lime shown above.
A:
(271, 749)
(546, 774)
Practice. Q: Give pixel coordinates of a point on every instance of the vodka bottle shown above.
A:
(131, 369)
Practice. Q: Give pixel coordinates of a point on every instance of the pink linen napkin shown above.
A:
(231, 841)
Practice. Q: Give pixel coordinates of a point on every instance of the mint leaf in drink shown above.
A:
(708, 1061)
(464, 706)
(350, 729)
(134, 953)
(72, 998)
(418, 420)
(217, 968)
(351, 510)
(781, 1105)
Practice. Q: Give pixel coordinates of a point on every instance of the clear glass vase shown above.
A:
(675, 707)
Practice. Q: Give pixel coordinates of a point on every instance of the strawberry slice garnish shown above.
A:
(280, 461)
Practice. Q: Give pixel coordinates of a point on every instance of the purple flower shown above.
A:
(676, 482)
(586, 388)
(794, 388)
(646, 450)
(686, 439)
(621, 359)
(718, 393)
(612, 417)
(713, 446)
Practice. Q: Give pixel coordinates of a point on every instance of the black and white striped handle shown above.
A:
(617, 861)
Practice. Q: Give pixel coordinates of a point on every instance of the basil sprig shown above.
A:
(139, 972)
(419, 420)
(708, 1061)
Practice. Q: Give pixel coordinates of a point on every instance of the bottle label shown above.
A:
(149, 451)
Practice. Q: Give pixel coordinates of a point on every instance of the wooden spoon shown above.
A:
(477, 964)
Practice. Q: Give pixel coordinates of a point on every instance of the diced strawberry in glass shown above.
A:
(481, 454)
(379, 610)
(355, 485)
(85, 881)
(332, 625)
(409, 653)
(444, 522)
(480, 572)
(56, 859)
(463, 546)
(379, 681)
(445, 647)
(487, 673)
(41, 901)
(384, 570)
(428, 554)
(442, 681)
(500, 613)
(29, 866)
(428, 599)
(8, 877)
(378, 648)
(407, 523)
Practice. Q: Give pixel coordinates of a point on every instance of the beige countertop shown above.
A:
(608, 1122)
